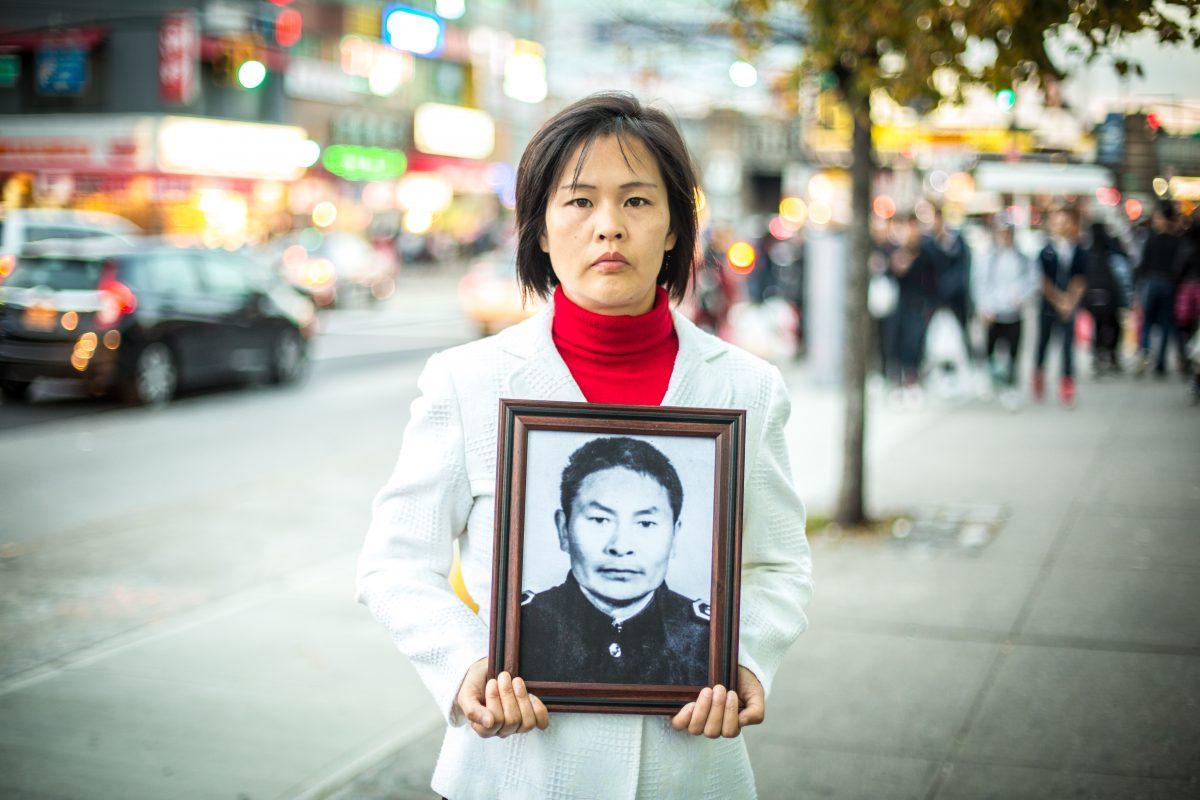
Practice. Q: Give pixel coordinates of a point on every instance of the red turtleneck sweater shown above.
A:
(617, 359)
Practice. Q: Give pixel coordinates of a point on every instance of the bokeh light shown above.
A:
(794, 210)
(780, 228)
(741, 257)
(324, 213)
(743, 74)
(884, 207)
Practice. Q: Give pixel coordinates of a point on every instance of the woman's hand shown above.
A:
(715, 712)
(501, 706)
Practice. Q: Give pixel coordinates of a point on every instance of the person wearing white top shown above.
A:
(606, 210)
(1001, 290)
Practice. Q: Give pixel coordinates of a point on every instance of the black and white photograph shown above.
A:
(617, 561)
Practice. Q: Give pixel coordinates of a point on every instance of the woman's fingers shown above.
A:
(731, 728)
(700, 712)
(754, 712)
(509, 705)
(495, 708)
(682, 717)
(716, 713)
(528, 720)
(540, 714)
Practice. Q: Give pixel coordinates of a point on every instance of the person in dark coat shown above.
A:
(1157, 278)
(1107, 274)
(953, 259)
(1063, 264)
(614, 619)
(915, 268)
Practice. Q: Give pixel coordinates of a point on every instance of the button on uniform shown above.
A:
(566, 638)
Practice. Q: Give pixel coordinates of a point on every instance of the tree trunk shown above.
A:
(850, 506)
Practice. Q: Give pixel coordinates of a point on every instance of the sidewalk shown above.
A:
(1061, 659)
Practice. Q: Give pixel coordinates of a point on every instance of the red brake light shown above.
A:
(116, 299)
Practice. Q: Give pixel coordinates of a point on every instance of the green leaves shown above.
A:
(896, 45)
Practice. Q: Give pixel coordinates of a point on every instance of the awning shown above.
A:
(1041, 177)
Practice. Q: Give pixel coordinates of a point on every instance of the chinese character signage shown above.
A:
(178, 57)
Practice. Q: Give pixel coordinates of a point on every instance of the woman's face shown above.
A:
(607, 235)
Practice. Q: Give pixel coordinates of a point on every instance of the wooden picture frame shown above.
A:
(723, 430)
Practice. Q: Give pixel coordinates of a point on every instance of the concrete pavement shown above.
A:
(1060, 659)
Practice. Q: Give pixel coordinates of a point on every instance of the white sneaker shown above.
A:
(1010, 399)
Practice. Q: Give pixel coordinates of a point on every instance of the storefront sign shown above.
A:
(178, 57)
(61, 70)
(231, 149)
(453, 131)
(364, 163)
(10, 70)
(369, 130)
(323, 81)
(78, 143)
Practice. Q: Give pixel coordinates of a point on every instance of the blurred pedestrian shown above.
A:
(883, 294)
(715, 290)
(1107, 271)
(1063, 266)
(1003, 285)
(606, 213)
(1187, 298)
(1156, 279)
(953, 274)
(915, 268)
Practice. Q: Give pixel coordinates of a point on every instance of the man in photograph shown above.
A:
(614, 619)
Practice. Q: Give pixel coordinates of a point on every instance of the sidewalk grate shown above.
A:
(960, 527)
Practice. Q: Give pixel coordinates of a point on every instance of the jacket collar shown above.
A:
(545, 376)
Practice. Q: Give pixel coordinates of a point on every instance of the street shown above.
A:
(176, 593)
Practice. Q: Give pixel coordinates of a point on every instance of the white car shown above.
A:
(24, 225)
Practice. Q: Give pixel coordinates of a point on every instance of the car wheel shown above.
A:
(289, 357)
(15, 391)
(155, 376)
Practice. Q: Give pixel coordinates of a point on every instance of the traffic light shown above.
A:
(289, 26)
(237, 63)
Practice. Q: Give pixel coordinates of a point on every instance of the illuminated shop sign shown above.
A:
(416, 32)
(453, 131)
(231, 149)
(356, 163)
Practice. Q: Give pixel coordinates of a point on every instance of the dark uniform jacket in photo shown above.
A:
(566, 638)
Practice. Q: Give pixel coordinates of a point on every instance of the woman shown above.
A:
(607, 224)
(1004, 285)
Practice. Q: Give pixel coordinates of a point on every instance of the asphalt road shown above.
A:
(172, 553)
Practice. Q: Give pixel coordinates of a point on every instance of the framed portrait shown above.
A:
(617, 553)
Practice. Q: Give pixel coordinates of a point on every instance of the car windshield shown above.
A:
(60, 274)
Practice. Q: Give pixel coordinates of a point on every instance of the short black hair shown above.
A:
(545, 161)
(620, 451)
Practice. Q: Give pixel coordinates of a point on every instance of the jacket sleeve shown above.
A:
(776, 562)
(404, 564)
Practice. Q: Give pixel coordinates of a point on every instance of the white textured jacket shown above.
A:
(442, 491)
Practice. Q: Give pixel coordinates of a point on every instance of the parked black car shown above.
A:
(142, 321)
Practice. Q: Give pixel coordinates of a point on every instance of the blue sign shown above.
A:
(61, 70)
(1110, 139)
(413, 31)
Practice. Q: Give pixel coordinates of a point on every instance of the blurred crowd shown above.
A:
(942, 305)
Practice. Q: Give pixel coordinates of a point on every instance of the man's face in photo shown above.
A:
(620, 534)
